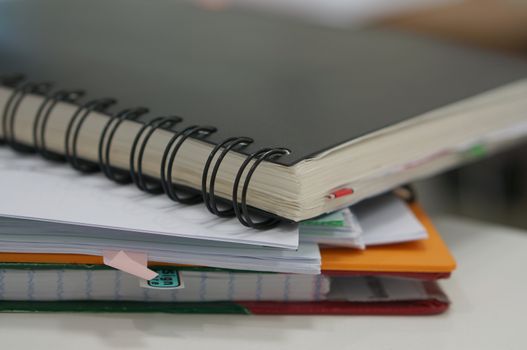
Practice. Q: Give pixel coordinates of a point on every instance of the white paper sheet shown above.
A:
(381, 220)
(305, 260)
(388, 219)
(31, 187)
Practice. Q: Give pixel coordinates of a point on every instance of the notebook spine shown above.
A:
(235, 207)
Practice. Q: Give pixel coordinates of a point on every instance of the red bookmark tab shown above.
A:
(340, 193)
(129, 262)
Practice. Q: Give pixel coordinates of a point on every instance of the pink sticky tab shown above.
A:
(130, 262)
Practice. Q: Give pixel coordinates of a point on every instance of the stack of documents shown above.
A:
(382, 220)
(75, 242)
(231, 161)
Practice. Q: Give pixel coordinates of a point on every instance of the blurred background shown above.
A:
(494, 189)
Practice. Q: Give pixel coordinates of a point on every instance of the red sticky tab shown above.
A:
(341, 193)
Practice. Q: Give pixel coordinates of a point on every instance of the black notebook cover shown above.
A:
(282, 82)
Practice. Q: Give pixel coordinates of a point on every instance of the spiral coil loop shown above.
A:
(137, 176)
(209, 197)
(75, 125)
(42, 116)
(167, 168)
(241, 210)
(11, 108)
(11, 81)
(119, 176)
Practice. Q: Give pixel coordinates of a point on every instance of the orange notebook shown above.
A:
(425, 256)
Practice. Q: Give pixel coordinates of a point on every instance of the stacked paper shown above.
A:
(61, 211)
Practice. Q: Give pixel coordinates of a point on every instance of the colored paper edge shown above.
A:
(123, 306)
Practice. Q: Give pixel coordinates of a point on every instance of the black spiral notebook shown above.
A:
(253, 114)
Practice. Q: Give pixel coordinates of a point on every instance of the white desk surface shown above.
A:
(488, 291)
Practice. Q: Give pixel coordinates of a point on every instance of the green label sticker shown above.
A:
(335, 219)
(477, 151)
(166, 279)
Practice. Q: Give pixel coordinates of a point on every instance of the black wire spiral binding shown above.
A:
(41, 120)
(137, 176)
(11, 108)
(241, 210)
(77, 120)
(11, 81)
(238, 207)
(119, 176)
(167, 168)
(209, 197)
